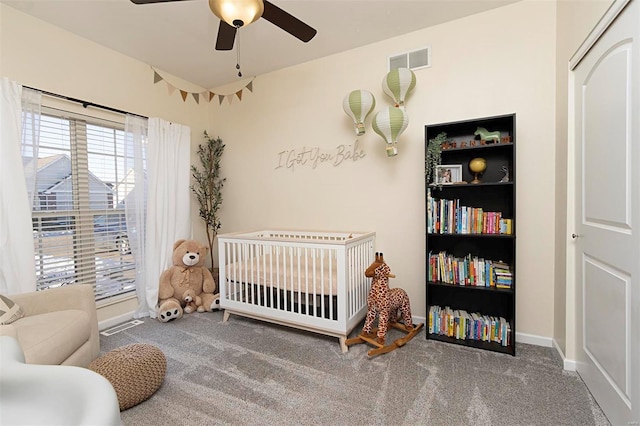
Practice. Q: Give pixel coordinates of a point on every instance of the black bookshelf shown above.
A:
(493, 195)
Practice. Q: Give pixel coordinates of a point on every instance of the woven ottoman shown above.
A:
(135, 371)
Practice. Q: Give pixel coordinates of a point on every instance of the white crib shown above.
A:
(308, 280)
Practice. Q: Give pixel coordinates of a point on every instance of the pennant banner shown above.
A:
(207, 95)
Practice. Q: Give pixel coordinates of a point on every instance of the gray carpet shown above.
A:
(245, 372)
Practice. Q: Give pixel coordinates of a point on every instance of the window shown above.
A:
(81, 185)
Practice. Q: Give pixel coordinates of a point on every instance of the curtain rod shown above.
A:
(85, 104)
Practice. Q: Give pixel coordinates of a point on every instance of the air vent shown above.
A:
(415, 59)
(121, 327)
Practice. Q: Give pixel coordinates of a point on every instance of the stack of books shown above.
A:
(449, 217)
(468, 271)
(503, 276)
(460, 325)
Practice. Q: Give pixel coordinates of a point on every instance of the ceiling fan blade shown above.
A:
(226, 36)
(287, 22)
(152, 1)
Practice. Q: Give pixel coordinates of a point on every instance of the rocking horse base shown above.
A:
(381, 348)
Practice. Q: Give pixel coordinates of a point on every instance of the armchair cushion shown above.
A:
(51, 338)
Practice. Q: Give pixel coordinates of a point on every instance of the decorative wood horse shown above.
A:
(487, 135)
(387, 304)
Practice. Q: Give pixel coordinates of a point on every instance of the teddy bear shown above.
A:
(187, 286)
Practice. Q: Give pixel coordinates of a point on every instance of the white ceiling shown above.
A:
(179, 37)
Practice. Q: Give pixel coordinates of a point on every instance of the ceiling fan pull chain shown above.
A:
(238, 53)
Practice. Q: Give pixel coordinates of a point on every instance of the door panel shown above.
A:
(607, 214)
(605, 291)
(606, 99)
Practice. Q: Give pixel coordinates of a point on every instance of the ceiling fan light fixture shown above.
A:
(237, 13)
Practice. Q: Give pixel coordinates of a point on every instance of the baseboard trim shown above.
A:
(570, 365)
(532, 339)
(111, 322)
(418, 320)
(548, 342)
(567, 364)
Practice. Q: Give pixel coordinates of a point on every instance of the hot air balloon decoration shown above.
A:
(398, 83)
(390, 123)
(358, 105)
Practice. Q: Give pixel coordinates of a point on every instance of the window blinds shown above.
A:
(79, 226)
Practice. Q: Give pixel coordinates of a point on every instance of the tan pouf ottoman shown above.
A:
(135, 371)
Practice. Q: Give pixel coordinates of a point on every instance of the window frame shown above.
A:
(112, 275)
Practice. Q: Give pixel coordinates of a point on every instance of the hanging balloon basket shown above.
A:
(398, 83)
(389, 124)
(358, 104)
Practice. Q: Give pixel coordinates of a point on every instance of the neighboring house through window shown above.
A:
(79, 224)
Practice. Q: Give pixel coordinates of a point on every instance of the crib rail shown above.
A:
(310, 280)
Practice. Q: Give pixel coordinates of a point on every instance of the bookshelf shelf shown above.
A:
(495, 347)
(479, 147)
(450, 235)
(470, 185)
(472, 287)
(471, 239)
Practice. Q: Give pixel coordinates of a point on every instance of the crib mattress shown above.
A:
(305, 274)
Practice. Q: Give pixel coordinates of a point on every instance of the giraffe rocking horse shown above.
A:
(388, 304)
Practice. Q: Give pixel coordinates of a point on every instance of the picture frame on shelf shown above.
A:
(447, 174)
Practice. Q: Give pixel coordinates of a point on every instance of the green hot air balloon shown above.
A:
(358, 105)
(398, 83)
(390, 123)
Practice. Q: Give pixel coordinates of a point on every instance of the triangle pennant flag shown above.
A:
(170, 88)
(208, 95)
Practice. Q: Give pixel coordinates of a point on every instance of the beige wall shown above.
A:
(575, 21)
(34, 53)
(502, 61)
(498, 62)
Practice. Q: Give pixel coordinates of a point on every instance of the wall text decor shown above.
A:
(314, 156)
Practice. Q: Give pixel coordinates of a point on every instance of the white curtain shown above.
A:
(135, 205)
(168, 203)
(17, 264)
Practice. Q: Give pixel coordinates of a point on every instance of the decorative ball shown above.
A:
(478, 165)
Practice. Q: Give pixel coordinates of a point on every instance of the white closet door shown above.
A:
(606, 118)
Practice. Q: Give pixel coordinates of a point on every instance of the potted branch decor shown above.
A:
(208, 187)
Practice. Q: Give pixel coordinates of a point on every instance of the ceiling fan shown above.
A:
(235, 14)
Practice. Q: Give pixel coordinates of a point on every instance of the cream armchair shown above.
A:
(60, 326)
